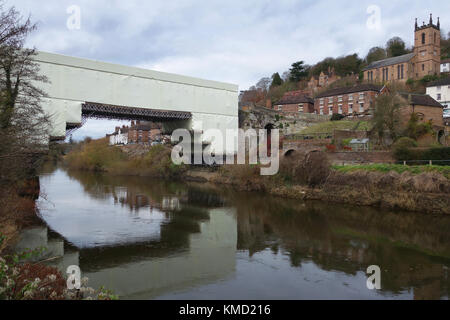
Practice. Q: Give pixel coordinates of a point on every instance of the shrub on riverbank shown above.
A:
(95, 155)
(21, 280)
(99, 156)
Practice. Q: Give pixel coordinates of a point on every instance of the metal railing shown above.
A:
(424, 162)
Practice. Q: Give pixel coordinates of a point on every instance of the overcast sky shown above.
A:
(237, 41)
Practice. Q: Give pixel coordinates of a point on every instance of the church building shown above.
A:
(424, 60)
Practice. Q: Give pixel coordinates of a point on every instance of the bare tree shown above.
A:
(387, 114)
(23, 123)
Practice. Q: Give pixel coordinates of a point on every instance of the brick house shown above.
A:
(138, 133)
(145, 132)
(424, 60)
(347, 100)
(294, 102)
(425, 107)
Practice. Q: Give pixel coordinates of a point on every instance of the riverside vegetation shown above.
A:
(307, 176)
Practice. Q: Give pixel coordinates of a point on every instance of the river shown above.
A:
(149, 239)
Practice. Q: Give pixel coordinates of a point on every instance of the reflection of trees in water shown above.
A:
(412, 249)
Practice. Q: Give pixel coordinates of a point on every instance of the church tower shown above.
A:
(427, 49)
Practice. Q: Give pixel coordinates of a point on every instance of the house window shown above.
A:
(321, 101)
(402, 69)
(330, 111)
(361, 96)
(350, 97)
(361, 107)
(280, 108)
(438, 96)
(340, 109)
(339, 98)
(438, 88)
(300, 107)
(321, 110)
(350, 108)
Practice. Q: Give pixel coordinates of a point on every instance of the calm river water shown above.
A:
(149, 239)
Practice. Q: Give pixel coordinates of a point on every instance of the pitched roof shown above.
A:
(440, 82)
(421, 99)
(390, 61)
(350, 89)
(292, 97)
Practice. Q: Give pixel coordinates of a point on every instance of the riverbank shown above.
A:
(424, 192)
(305, 176)
(18, 211)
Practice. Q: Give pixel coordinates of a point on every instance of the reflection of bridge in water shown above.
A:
(176, 261)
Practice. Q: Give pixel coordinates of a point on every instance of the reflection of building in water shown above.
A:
(197, 247)
(136, 200)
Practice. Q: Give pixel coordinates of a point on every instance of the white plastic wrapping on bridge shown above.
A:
(74, 81)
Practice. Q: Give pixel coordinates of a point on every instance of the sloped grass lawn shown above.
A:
(329, 126)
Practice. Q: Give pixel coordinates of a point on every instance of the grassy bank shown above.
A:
(385, 168)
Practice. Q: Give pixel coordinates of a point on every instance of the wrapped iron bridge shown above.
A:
(107, 111)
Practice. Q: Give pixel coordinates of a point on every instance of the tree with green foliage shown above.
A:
(375, 54)
(276, 80)
(396, 47)
(299, 71)
(416, 129)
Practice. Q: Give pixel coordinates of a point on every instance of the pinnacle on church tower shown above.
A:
(431, 19)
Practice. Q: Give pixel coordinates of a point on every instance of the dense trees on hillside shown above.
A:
(299, 74)
(343, 66)
(445, 45)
